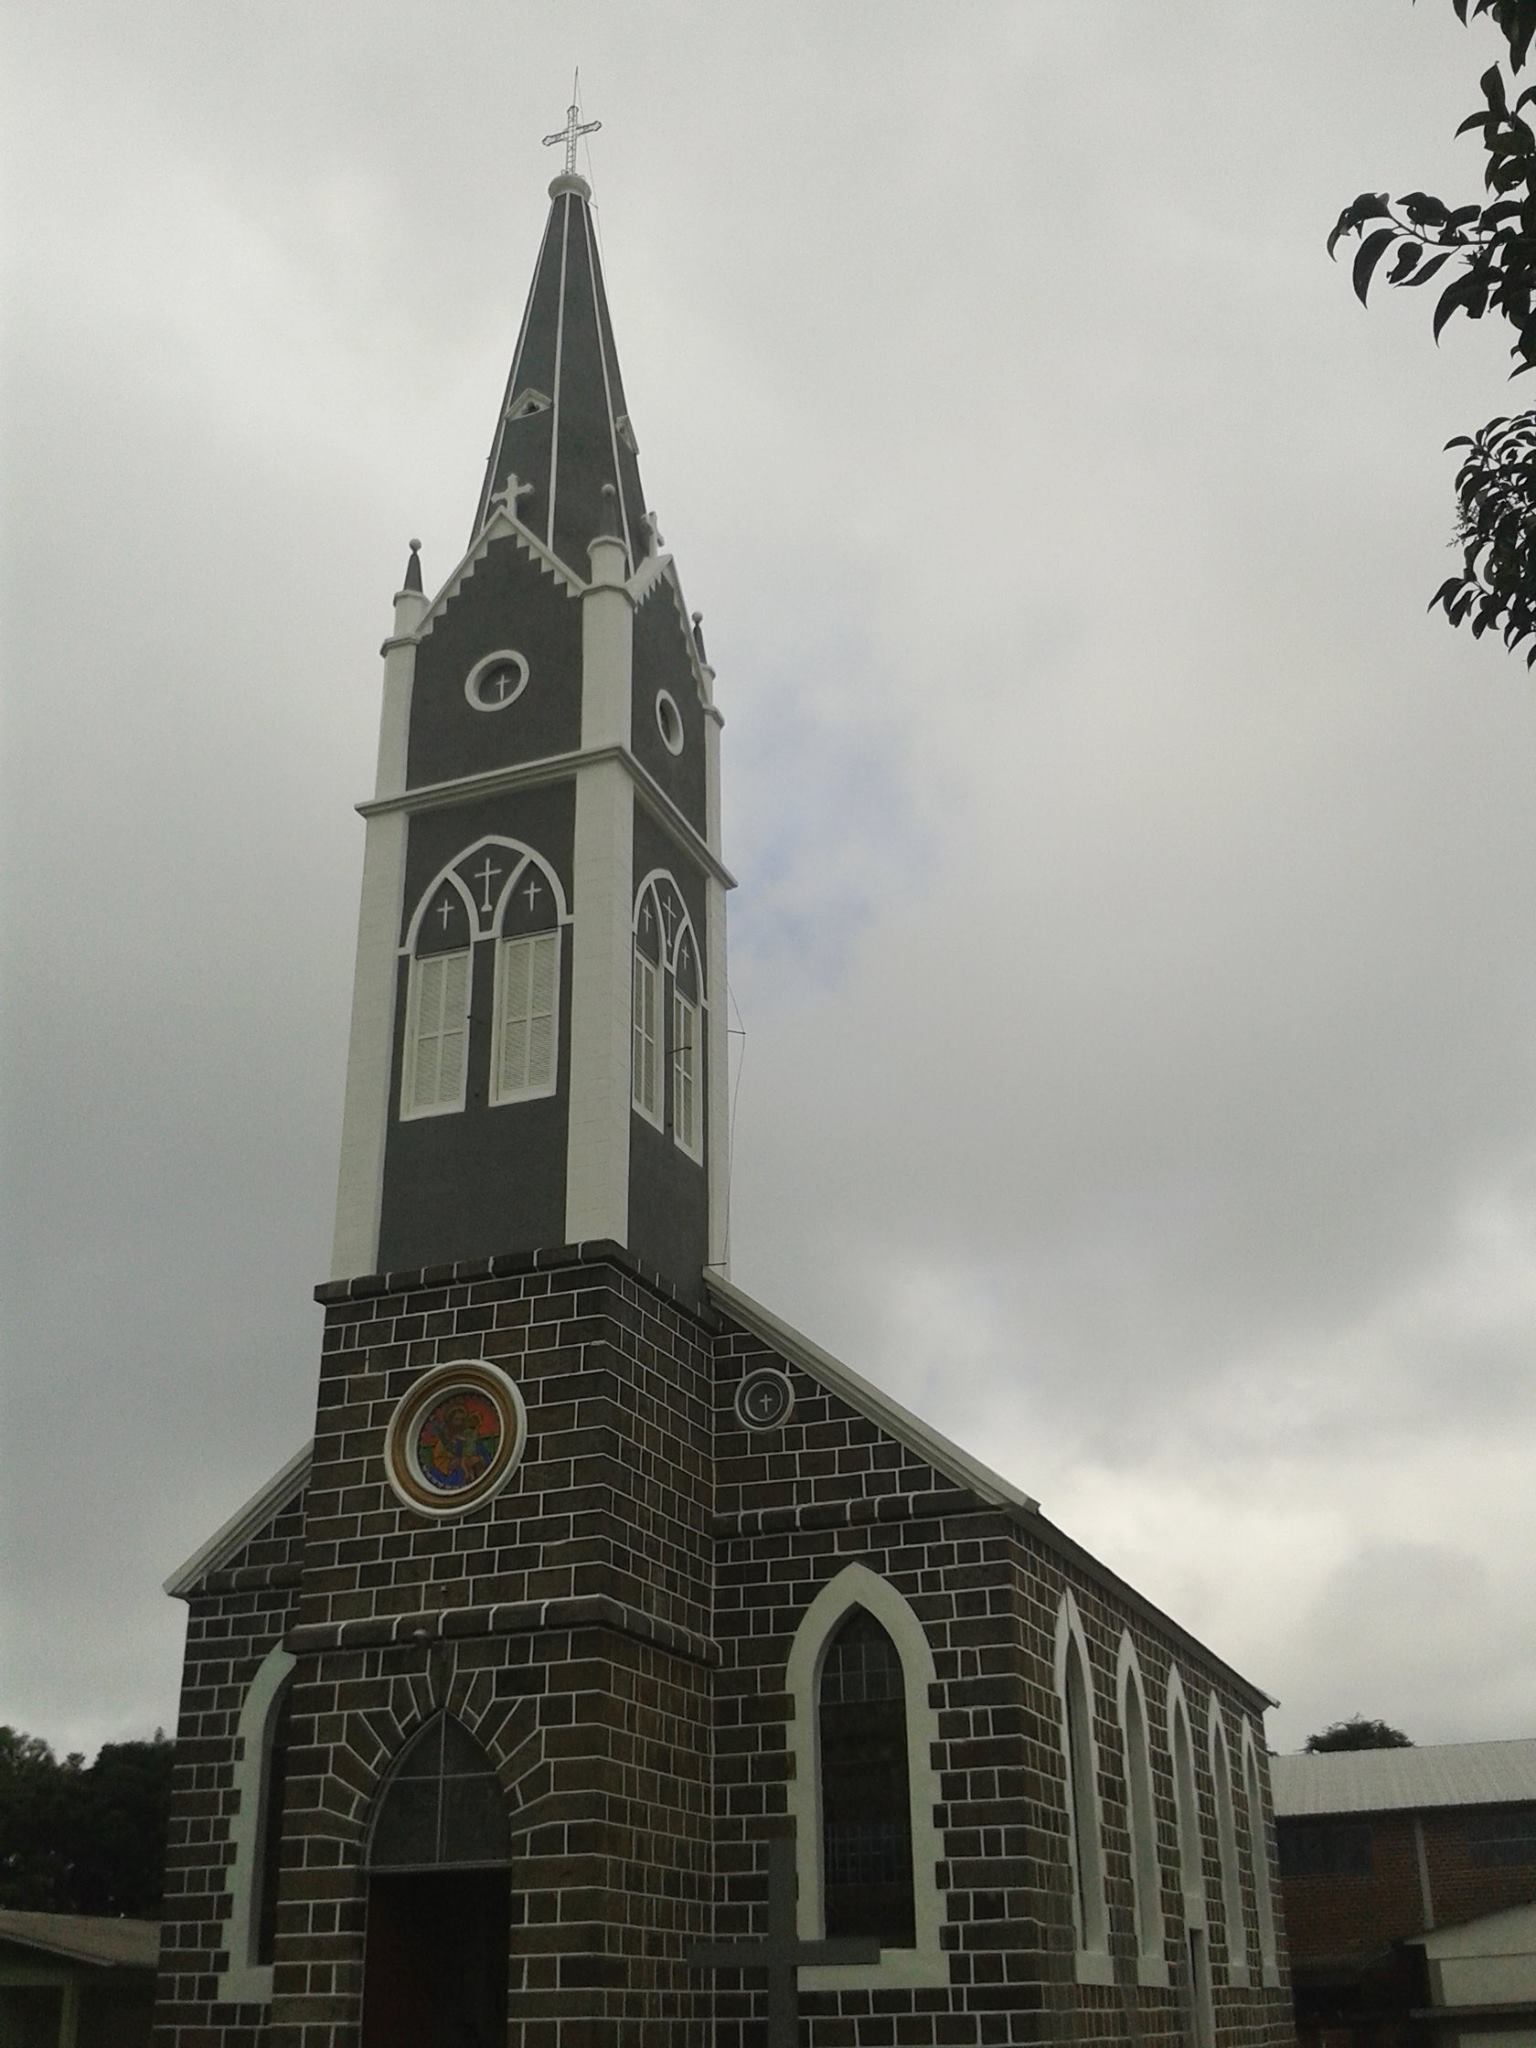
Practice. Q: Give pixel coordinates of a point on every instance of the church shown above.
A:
(614, 1667)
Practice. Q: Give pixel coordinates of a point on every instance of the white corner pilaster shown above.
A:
(370, 1050)
(717, 1151)
(597, 1157)
(607, 649)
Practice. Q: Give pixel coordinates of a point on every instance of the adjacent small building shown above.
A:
(76, 1980)
(1409, 1884)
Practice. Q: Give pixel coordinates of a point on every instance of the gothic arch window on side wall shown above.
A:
(1258, 1849)
(1141, 1819)
(1080, 1758)
(441, 1807)
(866, 1818)
(1233, 1917)
(860, 1675)
(255, 1831)
(1186, 1803)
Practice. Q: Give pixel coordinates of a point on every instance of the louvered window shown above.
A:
(437, 1030)
(686, 1121)
(527, 1011)
(646, 1078)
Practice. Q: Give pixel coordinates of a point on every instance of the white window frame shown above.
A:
(531, 1091)
(1234, 1919)
(420, 964)
(244, 1980)
(925, 1962)
(647, 1031)
(1077, 1713)
(687, 1072)
(1258, 1850)
(1141, 1818)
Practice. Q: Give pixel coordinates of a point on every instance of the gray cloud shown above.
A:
(1134, 933)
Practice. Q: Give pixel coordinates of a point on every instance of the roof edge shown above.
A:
(271, 1499)
(871, 1400)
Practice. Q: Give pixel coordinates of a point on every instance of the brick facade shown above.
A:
(615, 1630)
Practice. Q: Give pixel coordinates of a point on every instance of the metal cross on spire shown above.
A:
(574, 127)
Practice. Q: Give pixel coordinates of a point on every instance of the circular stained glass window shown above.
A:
(456, 1438)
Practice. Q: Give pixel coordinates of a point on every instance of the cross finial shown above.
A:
(574, 127)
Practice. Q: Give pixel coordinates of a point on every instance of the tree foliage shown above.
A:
(1485, 256)
(1356, 1733)
(83, 1839)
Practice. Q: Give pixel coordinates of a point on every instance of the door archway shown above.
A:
(435, 1962)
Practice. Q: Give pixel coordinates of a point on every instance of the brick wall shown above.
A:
(614, 1630)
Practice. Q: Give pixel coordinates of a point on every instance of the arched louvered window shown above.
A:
(866, 1811)
(437, 1006)
(442, 1806)
(527, 1028)
(646, 1078)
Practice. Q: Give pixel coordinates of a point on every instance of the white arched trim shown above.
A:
(482, 923)
(1085, 1821)
(1186, 1801)
(684, 924)
(244, 1980)
(924, 1963)
(1141, 1817)
(1234, 1920)
(1258, 1850)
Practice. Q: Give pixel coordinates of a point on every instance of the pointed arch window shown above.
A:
(1258, 1849)
(866, 1828)
(668, 1019)
(442, 1806)
(1220, 1761)
(1141, 1821)
(860, 1673)
(1075, 1695)
(259, 1784)
(646, 1071)
(687, 1102)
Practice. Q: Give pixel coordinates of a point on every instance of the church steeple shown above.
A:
(563, 431)
(538, 1036)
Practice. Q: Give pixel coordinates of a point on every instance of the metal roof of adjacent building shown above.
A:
(85, 1938)
(1381, 1780)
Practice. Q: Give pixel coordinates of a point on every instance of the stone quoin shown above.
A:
(597, 1580)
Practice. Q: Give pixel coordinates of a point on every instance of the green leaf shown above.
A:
(1367, 256)
(1424, 274)
(1492, 83)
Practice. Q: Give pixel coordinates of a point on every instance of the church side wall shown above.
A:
(795, 1506)
(239, 1614)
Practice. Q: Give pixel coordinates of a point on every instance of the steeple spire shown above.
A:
(564, 431)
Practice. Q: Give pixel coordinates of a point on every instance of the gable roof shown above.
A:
(1399, 1780)
(280, 1491)
(870, 1400)
(85, 1938)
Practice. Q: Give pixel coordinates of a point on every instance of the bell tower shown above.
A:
(538, 1043)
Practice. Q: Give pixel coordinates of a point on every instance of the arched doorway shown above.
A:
(435, 1965)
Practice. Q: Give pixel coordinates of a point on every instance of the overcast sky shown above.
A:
(1136, 938)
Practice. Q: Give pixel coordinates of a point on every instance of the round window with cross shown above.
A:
(496, 681)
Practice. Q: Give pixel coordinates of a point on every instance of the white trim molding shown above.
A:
(1234, 1920)
(1258, 1850)
(1141, 1817)
(1077, 1703)
(925, 1962)
(1186, 1801)
(226, 1543)
(245, 1980)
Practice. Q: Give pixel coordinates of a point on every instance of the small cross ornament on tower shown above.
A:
(574, 127)
(782, 1954)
